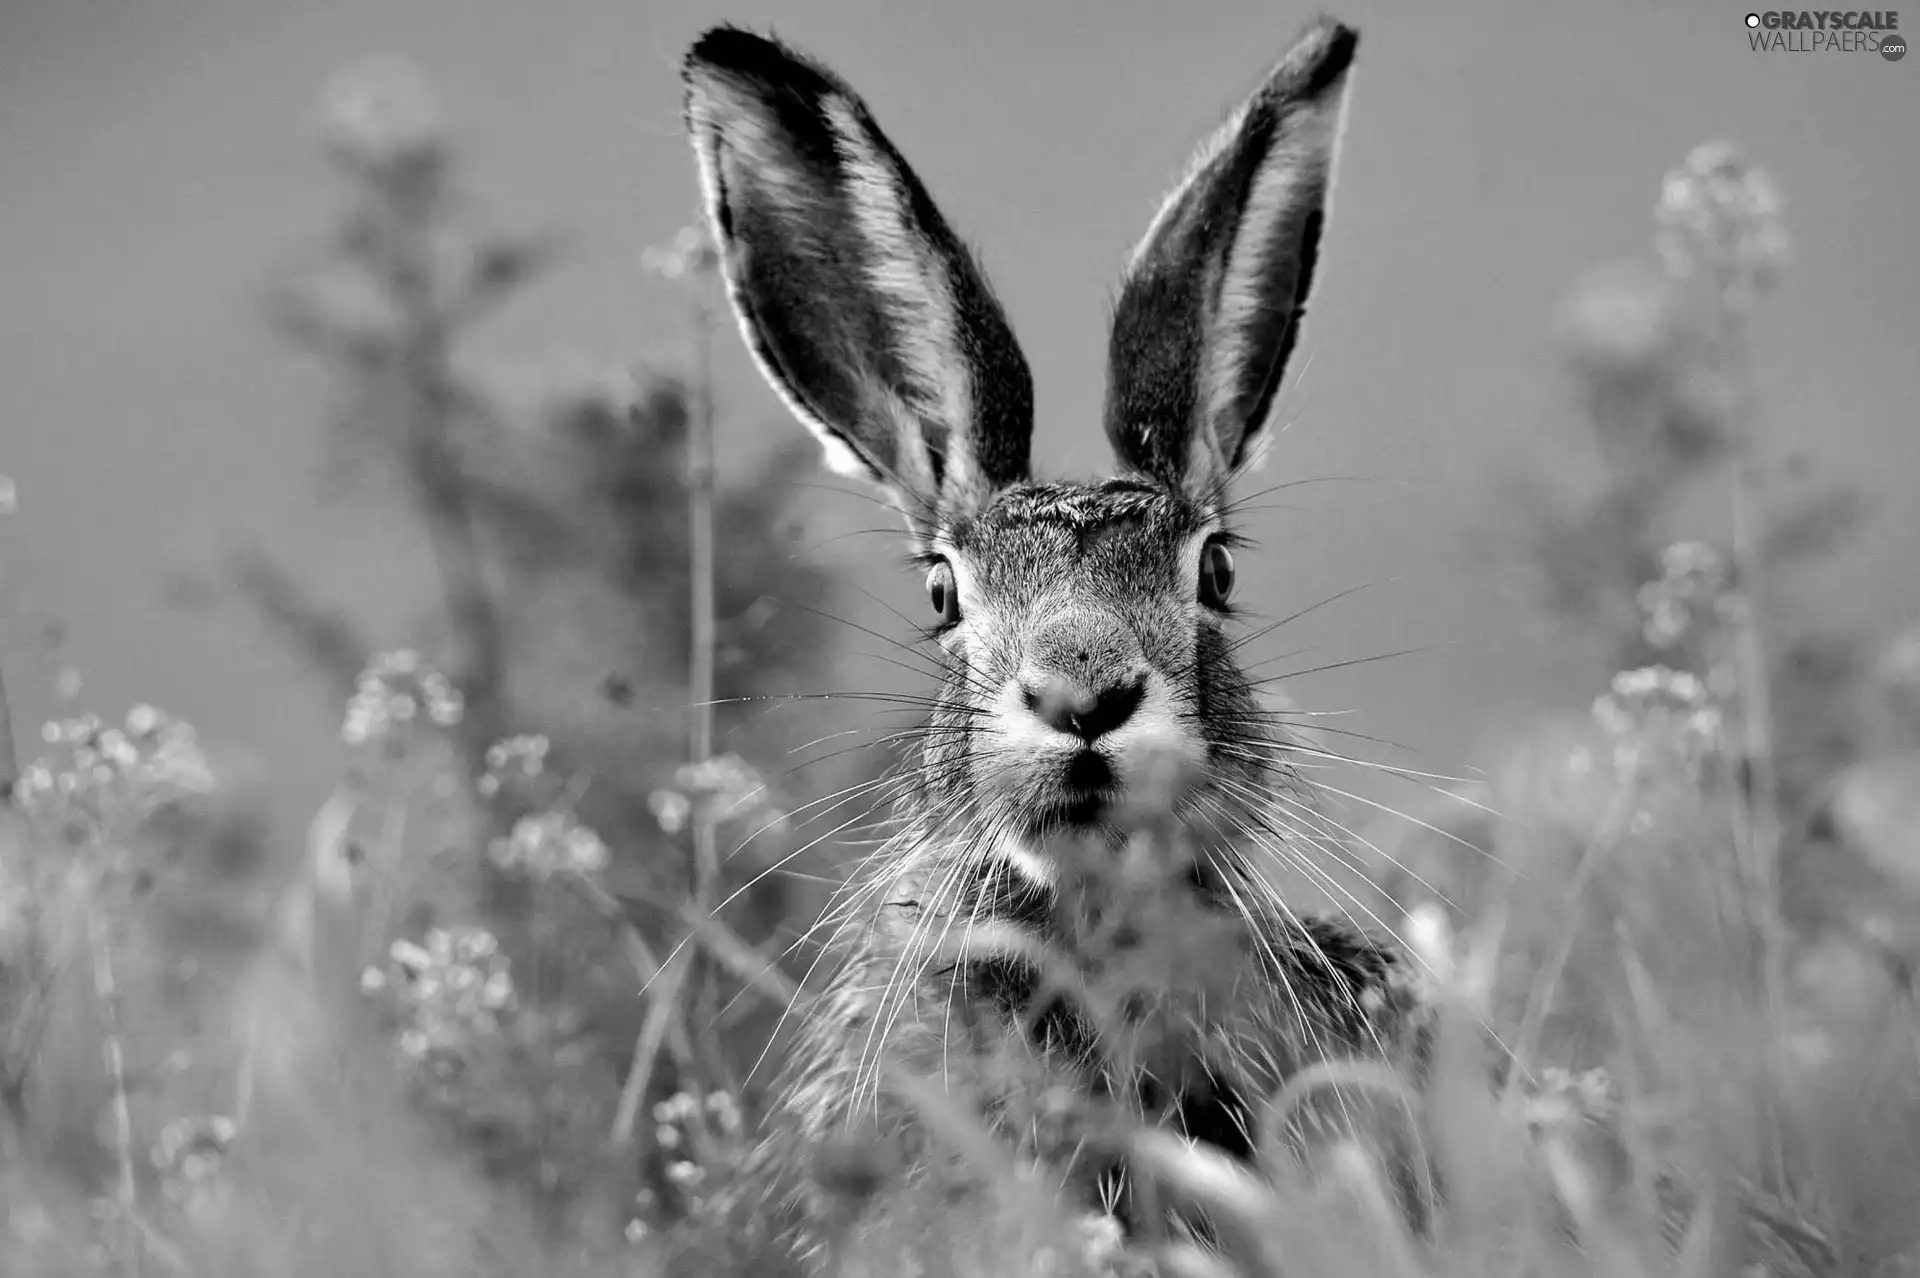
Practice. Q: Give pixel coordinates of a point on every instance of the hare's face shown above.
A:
(1082, 629)
(1081, 622)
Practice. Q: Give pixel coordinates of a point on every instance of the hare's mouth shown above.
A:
(1082, 792)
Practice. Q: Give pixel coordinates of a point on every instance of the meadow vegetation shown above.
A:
(504, 1006)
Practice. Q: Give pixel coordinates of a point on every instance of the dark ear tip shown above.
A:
(746, 55)
(730, 48)
(735, 63)
(1321, 56)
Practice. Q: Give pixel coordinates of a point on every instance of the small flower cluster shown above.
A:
(451, 990)
(1573, 1119)
(1657, 711)
(1719, 218)
(395, 691)
(94, 765)
(726, 787)
(189, 1152)
(684, 1123)
(549, 842)
(545, 844)
(1695, 585)
(680, 1112)
(515, 759)
(1588, 1094)
(690, 254)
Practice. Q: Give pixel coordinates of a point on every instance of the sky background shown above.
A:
(156, 162)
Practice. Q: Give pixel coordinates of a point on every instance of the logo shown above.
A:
(1827, 31)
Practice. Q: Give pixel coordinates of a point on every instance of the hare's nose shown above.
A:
(1089, 715)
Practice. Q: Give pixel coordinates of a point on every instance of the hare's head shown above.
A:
(1082, 623)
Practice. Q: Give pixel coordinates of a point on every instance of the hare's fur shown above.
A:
(1089, 675)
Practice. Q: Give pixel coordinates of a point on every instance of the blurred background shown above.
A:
(349, 359)
(159, 166)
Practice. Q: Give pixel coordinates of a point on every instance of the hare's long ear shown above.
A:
(864, 311)
(1214, 296)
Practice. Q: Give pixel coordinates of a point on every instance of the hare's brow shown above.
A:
(1083, 506)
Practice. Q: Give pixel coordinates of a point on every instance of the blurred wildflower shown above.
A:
(727, 777)
(705, 1143)
(1694, 584)
(724, 788)
(1586, 1093)
(395, 691)
(671, 809)
(681, 1107)
(1571, 1117)
(102, 769)
(1719, 221)
(724, 1112)
(1650, 340)
(518, 757)
(546, 844)
(691, 253)
(190, 1162)
(1636, 350)
(1619, 323)
(450, 989)
(379, 117)
(1658, 715)
(189, 1152)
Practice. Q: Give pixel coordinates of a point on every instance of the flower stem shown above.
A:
(107, 995)
(9, 757)
(700, 665)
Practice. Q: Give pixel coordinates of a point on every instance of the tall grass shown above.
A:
(503, 1008)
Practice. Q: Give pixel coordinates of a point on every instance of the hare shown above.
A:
(1084, 634)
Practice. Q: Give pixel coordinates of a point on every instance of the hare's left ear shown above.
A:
(862, 308)
(1214, 296)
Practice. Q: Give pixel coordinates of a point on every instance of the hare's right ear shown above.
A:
(1216, 292)
(863, 310)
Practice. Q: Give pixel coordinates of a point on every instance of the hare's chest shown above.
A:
(1052, 1042)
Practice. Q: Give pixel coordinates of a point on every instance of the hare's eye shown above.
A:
(1216, 575)
(942, 594)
